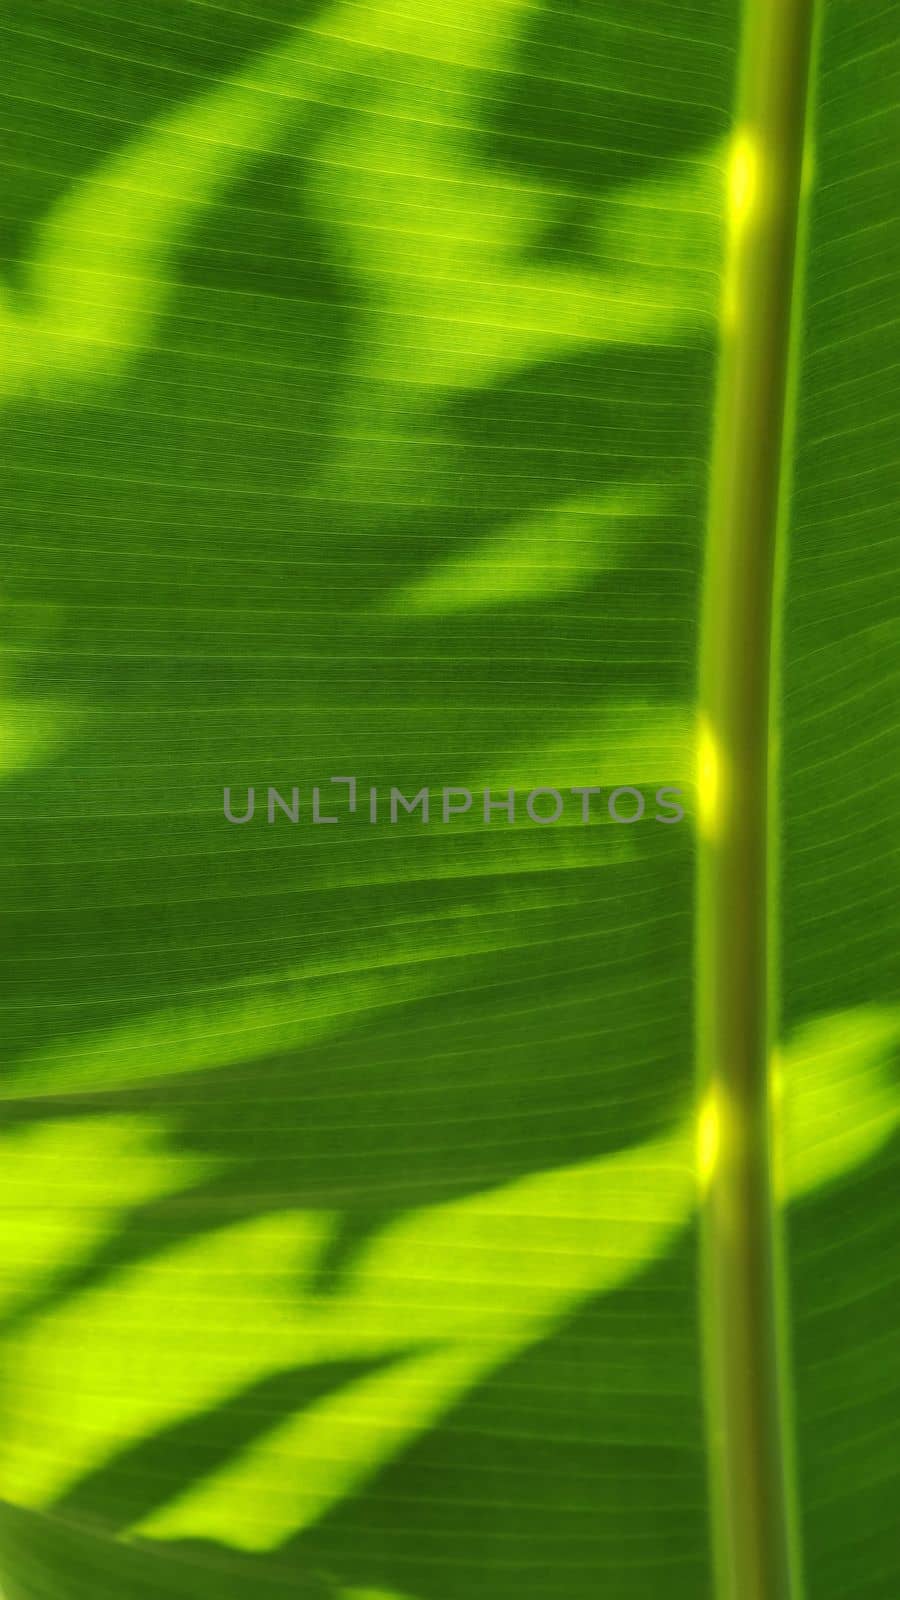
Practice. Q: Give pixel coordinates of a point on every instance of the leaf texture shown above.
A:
(358, 421)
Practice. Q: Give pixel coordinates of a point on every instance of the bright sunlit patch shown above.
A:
(709, 781)
(841, 1105)
(479, 1280)
(67, 1184)
(557, 551)
(371, 1594)
(709, 1139)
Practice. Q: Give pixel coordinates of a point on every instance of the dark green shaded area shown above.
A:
(841, 756)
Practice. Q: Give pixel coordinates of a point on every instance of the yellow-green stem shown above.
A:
(750, 1492)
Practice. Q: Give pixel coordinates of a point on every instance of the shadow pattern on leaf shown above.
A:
(446, 298)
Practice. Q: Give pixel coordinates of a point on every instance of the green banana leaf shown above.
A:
(368, 411)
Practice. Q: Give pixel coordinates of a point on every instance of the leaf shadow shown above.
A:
(416, 1104)
(139, 1478)
(583, 1455)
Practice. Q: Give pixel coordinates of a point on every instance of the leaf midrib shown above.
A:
(755, 1541)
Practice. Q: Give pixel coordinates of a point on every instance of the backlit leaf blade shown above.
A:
(359, 420)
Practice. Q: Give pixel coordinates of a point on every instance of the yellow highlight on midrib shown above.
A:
(776, 1125)
(743, 180)
(709, 1139)
(709, 780)
(742, 187)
